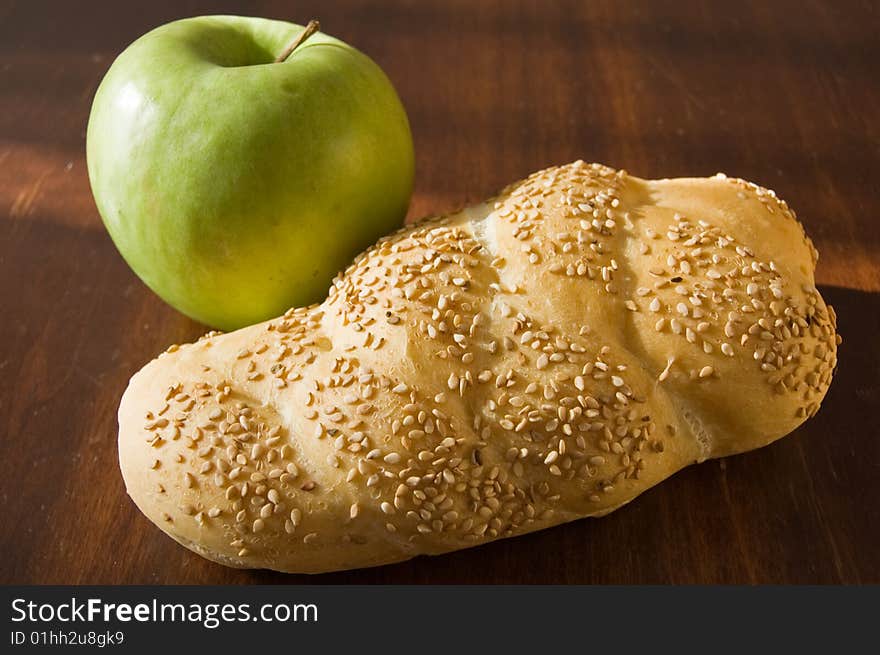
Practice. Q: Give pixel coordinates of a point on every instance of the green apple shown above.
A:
(237, 187)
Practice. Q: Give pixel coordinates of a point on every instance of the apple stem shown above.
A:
(311, 28)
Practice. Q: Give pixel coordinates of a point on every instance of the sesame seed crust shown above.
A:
(541, 357)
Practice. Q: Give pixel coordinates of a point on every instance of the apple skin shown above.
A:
(236, 187)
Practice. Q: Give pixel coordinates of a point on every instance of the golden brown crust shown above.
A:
(542, 357)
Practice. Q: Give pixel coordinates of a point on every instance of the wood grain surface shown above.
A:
(782, 93)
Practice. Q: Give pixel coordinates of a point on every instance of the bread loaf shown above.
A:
(545, 356)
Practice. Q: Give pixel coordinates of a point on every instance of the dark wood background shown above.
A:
(782, 93)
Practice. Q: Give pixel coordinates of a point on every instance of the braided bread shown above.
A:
(545, 356)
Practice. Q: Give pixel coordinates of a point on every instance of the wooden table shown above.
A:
(786, 94)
